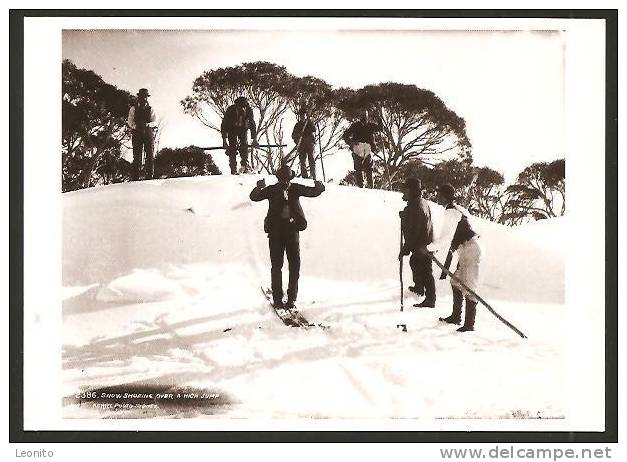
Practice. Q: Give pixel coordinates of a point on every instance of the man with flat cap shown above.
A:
(459, 235)
(142, 122)
(283, 223)
(417, 230)
(238, 119)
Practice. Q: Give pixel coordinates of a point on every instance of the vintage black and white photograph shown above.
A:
(319, 220)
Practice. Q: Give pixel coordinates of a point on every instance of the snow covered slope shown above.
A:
(162, 288)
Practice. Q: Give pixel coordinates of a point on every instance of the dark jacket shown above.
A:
(361, 132)
(416, 225)
(237, 120)
(306, 130)
(276, 198)
(464, 230)
(143, 113)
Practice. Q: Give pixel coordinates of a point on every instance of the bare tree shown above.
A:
(264, 84)
(539, 193)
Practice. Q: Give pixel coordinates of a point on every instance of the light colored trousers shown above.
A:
(469, 260)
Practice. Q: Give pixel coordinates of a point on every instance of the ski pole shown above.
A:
(215, 148)
(324, 177)
(481, 300)
(400, 267)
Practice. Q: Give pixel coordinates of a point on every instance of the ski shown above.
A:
(289, 316)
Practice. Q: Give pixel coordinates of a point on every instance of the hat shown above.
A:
(412, 184)
(285, 173)
(143, 92)
(240, 99)
(447, 190)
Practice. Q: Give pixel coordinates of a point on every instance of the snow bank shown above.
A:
(353, 235)
(162, 285)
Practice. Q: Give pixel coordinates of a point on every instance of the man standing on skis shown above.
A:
(458, 231)
(360, 137)
(284, 221)
(417, 230)
(237, 120)
(141, 121)
(304, 137)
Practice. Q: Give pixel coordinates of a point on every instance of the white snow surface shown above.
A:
(161, 283)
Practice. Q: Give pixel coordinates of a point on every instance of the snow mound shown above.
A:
(138, 230)
(162, 287)
(140, 286)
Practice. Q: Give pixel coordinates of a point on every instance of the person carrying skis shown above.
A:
(417, 229)
(304, 137)
(360, 137)
(238, 119)
(141, 121)
(463, 239)
(283, 223)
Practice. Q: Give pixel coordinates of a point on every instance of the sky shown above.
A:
(507, 85)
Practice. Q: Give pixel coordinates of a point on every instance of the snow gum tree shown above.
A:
(416, 125)
(318, 101)
(539, 193)
(486, 196)
(265, 85)
(94, 129)
(479, 189)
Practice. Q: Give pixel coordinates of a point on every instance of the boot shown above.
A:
(278, 304)
(416, 290)
(425, 304)
(469, 320)
(456, 315)
(290, 305)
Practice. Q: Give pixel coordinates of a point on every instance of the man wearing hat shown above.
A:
(284, 221)
(417, 230)
(238, 119)
(304, 137)
(141, 120)
(360, 137)
(458, 231)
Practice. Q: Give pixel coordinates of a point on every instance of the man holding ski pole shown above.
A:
(303, 135)
(458, 231)
(417, 231)
(284, 221)
(238, 119)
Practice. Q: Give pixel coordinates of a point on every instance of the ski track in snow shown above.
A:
(151, 291)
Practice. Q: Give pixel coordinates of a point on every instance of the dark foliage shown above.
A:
(93, 127)
(182, 162)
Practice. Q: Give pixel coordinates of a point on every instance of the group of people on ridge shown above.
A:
(285, 218)
(238, 120)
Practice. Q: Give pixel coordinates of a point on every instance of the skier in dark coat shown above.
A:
(141, 121)
(360, 137)
(238, 119)
(304, 137)
(417, 231)
(284, 221)
(460, 236)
